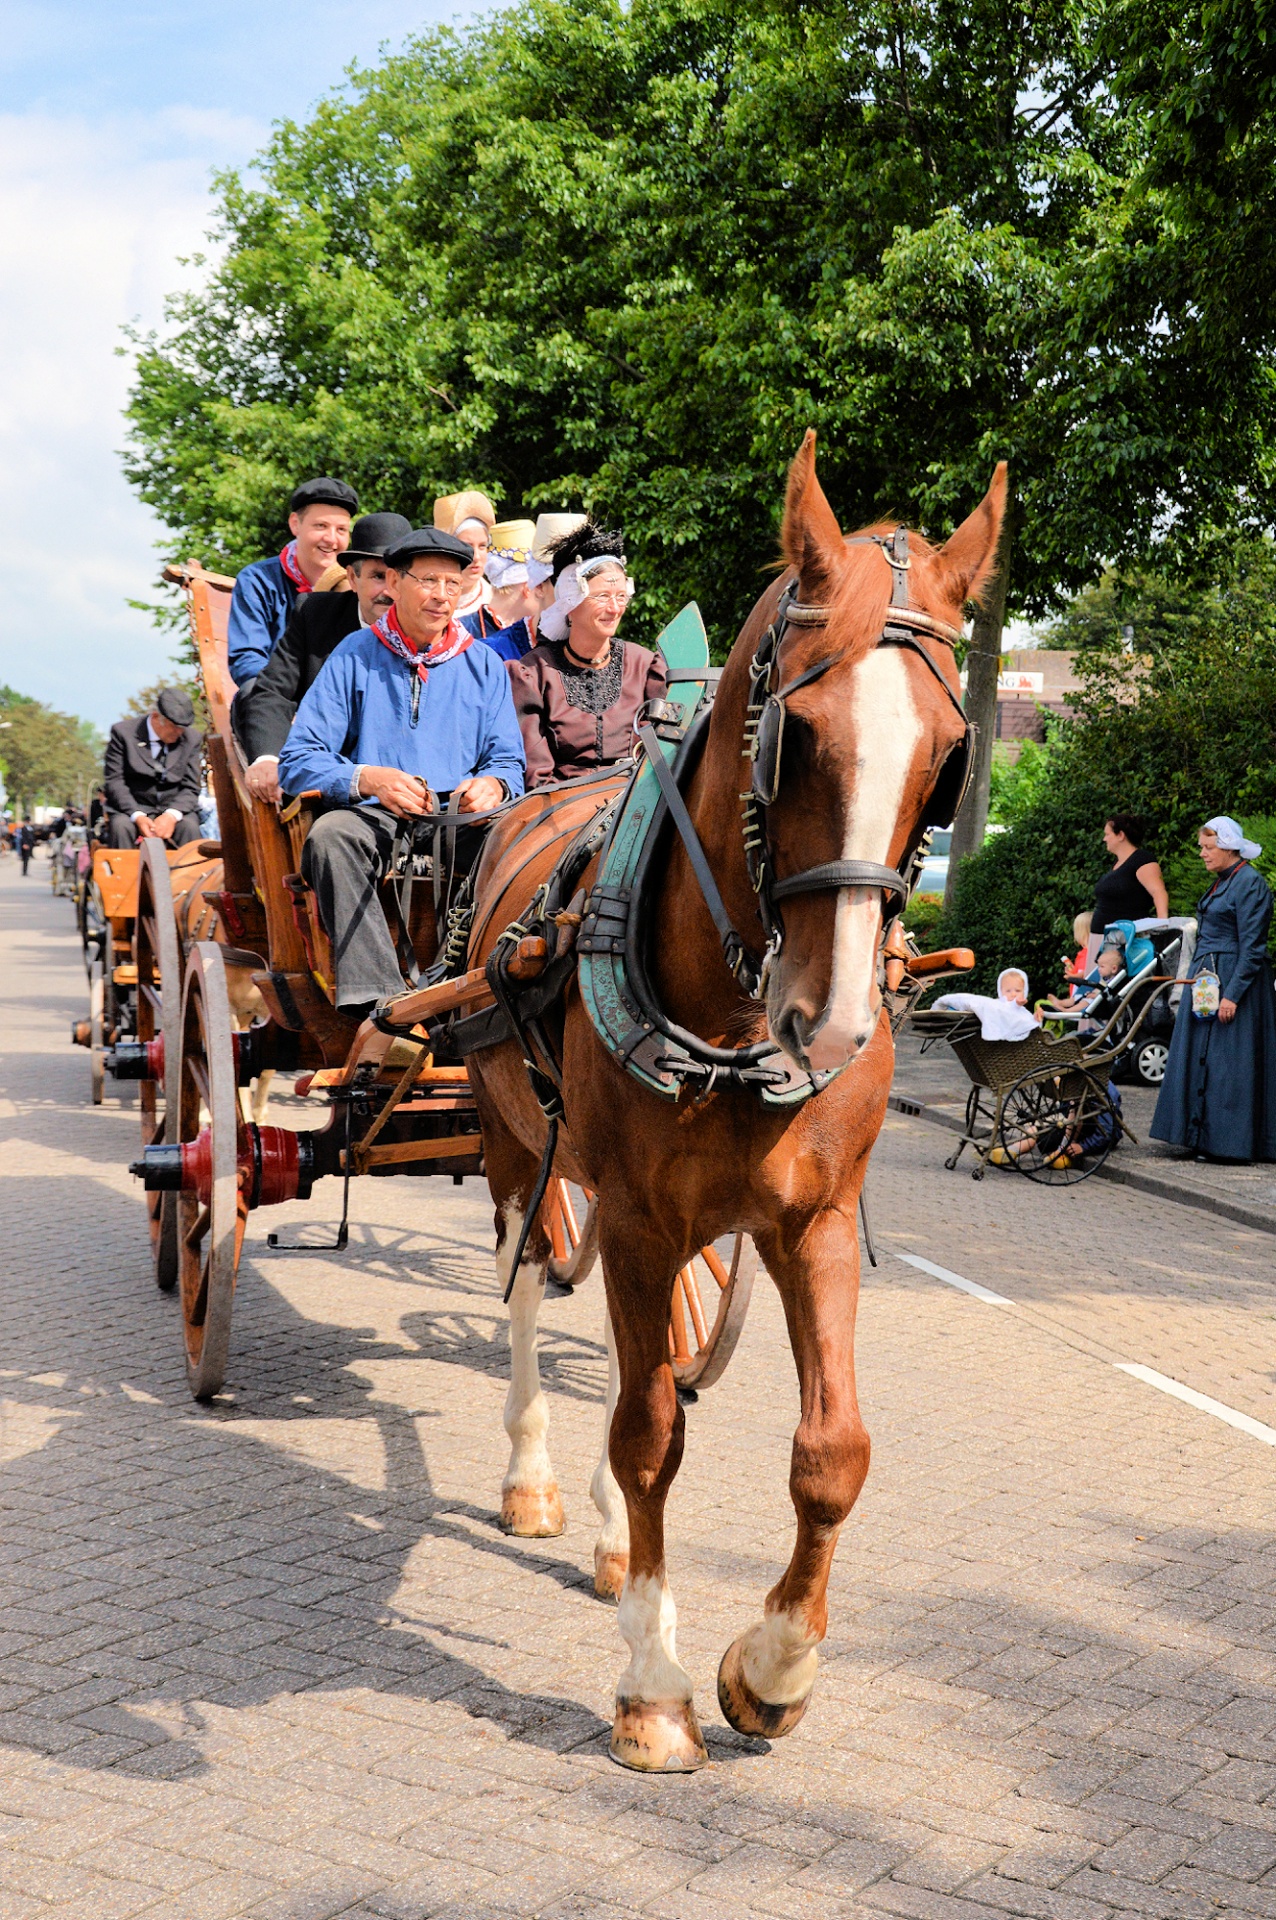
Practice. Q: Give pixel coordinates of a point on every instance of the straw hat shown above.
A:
(451, 510)
(514, 538)
(551, 527)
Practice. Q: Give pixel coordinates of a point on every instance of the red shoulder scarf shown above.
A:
(453, 640)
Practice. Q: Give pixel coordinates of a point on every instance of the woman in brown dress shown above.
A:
(578, 692)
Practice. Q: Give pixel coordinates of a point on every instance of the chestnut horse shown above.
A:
(864, 745)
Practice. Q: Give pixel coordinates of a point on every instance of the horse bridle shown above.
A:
(763, 743)
(764, 740)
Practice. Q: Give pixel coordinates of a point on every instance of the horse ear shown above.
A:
(811, 537)
(971, 553)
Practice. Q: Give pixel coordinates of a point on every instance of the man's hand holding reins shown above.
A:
(399, 793)
(479, 795)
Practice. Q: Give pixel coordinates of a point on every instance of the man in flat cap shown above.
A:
(266, 592)
(153, 774)
(319, 622)
(409, 708)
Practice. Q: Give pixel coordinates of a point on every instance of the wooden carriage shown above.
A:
(221, 1004)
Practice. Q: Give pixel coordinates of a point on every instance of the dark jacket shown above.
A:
(135, 782)
(318, 625)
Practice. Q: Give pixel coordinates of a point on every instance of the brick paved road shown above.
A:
(275, 1659)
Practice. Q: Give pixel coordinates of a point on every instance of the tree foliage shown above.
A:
(48, 758)
(1175, 734)
(620, 256)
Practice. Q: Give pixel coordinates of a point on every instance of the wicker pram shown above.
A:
(1040, 1104)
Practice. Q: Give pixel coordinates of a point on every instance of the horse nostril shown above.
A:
(790, 1031)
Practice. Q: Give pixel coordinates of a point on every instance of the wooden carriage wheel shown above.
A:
(574, 1243)
(710, 1295)
(209, 1236)
(97, 1021)
(710, 1301)
(159, 985)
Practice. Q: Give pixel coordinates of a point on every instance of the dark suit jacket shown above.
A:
(264, 711)
(135, 782)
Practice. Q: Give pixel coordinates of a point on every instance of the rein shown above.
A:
(763, 744)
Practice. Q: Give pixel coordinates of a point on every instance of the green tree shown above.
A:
(1176, 734)
(48, 758)
(622, 256)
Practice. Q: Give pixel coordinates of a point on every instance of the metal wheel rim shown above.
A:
(158, 957)
(716, 1342)
(1161, 1049)
(1034, 1164)
(208, 1247)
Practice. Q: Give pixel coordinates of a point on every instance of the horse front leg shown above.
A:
(766, 1676)
(531, 1506)
(655, 1728)
(611, 1549)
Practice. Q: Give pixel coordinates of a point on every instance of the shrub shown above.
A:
(1176, 734)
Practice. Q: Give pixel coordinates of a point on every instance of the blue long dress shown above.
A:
(1219, 1091)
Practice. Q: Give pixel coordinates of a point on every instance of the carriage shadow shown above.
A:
(95, 1413)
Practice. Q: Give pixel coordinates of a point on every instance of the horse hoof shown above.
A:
(533, 1513)
(741, 1707)
(610, 1570)
(657, 1736)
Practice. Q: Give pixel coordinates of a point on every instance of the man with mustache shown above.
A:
(319, 623)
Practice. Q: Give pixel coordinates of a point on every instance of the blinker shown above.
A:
(768, 746)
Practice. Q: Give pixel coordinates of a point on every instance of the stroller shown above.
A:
(1043, 1104)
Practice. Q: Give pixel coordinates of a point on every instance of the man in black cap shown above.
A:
(318, 624)
(152, 774)
(411, 708)
(266, 592)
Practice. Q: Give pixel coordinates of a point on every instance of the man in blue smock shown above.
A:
(410, 707)
(266, 592)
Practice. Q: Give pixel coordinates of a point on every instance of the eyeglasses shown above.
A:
(620, 600)
(448, 584)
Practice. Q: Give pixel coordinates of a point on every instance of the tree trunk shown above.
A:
(983, 660)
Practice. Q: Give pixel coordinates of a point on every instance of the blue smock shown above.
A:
(264, 597)
(510, 642)
(358, 713)
(1219, 1092)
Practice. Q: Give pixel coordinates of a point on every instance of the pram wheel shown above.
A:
(1045, 1118)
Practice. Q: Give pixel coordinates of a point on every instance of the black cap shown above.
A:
(174, 703)
(370, 536)
(427, 540)
(323, 493)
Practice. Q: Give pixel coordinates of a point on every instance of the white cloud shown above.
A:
(92, 221)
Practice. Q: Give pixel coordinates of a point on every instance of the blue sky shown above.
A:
(111, 120)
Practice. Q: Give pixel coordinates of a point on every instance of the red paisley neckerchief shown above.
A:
(453, 640)
(288, 561)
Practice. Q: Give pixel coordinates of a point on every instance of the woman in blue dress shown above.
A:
(1219, 1094)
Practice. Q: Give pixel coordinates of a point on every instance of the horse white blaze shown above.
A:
(887, 730)
(648, 1621)
(526, 1408)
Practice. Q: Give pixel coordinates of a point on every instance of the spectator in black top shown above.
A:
(1134, 888)
(263, 712)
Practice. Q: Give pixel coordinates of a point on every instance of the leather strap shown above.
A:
(841, 873)
(734, 950)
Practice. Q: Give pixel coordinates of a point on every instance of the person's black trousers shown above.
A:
(346, 857)
(121, 832)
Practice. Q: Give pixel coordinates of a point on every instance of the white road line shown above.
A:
(1202, 1401)
(955, 1280)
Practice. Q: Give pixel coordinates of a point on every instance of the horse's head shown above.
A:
(862, 756)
